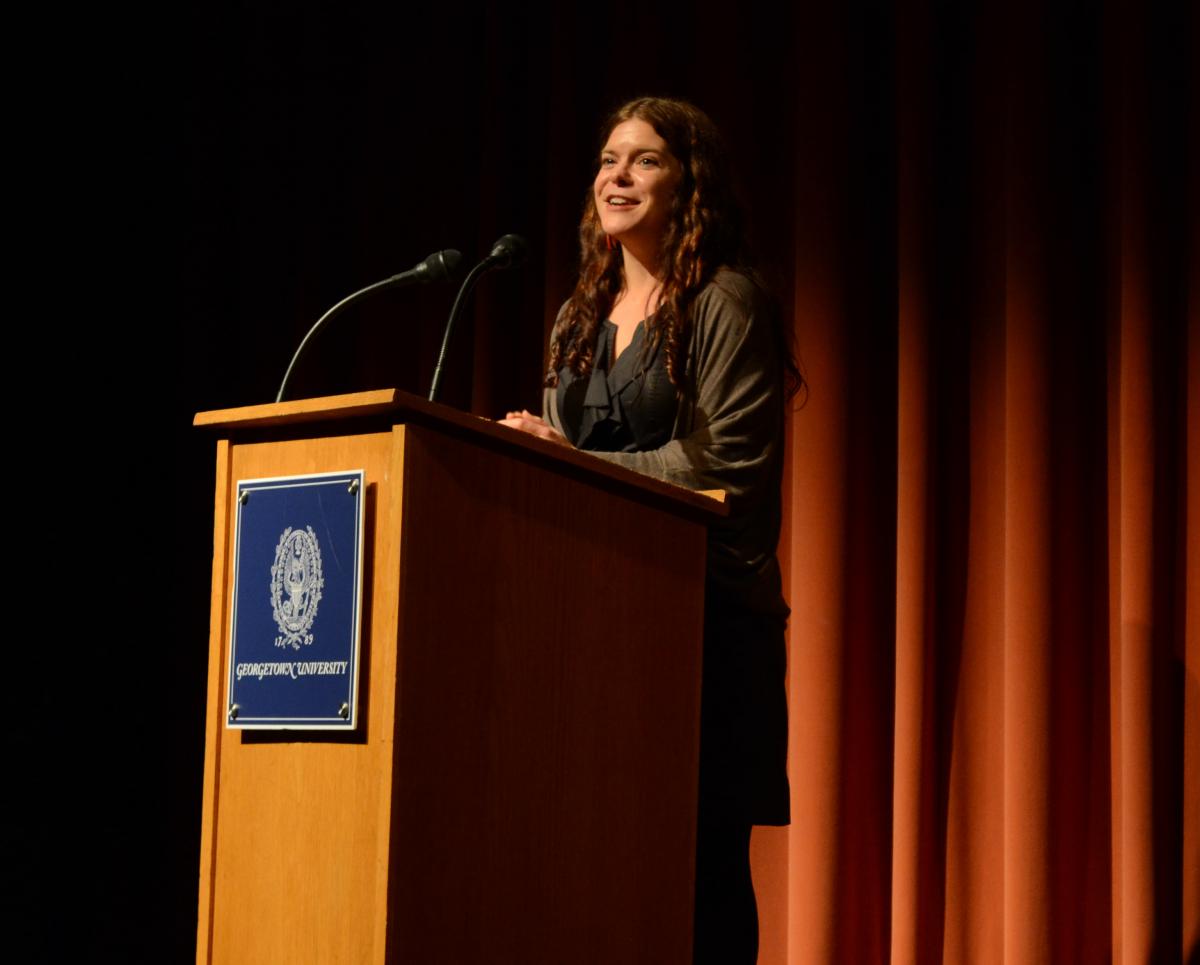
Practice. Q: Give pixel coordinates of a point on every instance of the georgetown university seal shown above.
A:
(296, 584)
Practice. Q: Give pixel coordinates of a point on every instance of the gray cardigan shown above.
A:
(728, 434)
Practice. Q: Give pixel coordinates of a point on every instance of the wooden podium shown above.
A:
(521, 785)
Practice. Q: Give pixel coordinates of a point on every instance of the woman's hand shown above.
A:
(535, 425)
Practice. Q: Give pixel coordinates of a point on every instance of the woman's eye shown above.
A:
(648, 162)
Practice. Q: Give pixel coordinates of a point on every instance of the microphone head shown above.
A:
(440, 266)
(509, 251)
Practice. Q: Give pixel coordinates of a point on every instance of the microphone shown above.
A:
(508, 252)
(440, 266)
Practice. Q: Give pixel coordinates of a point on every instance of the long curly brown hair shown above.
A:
(705, 233)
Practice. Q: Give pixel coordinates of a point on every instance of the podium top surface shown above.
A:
(402, 407)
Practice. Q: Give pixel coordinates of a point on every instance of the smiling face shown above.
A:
(636, 185)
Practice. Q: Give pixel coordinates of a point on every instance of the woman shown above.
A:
(669, 359)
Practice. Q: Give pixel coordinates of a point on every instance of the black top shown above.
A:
(631, 408)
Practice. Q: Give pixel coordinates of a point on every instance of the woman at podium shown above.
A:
(670, 358)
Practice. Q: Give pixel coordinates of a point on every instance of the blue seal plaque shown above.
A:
(297, 603)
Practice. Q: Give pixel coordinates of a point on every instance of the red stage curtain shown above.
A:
(984, 217)
(993, 543)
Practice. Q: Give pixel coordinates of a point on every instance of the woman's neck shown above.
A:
(643, 283)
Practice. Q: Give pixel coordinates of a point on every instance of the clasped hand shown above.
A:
(535, 425)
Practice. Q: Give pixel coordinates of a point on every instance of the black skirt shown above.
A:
(743, 714)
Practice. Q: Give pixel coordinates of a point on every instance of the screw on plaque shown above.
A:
(344, 711)
(353, 486)
(233, 711)
(244, 496)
